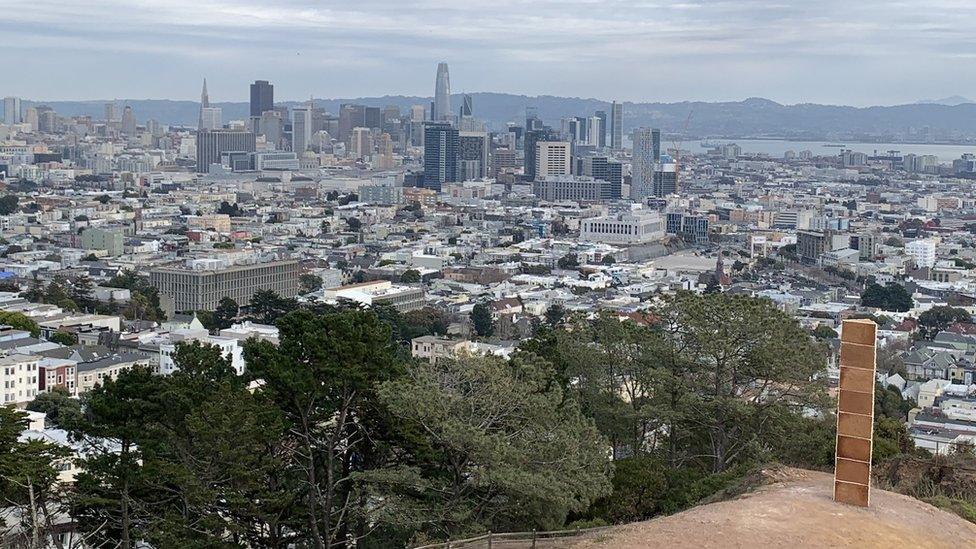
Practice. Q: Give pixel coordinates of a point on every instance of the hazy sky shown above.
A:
(860, 52)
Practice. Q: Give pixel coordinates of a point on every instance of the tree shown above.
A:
(822, 331)
(267, 306)
(227, 311)
(419, 322)
(310, 282)
(20, 321)
(354, 223)
(511, 451)
(788, 252)
(323, 377)
(892, 297)
(555, 314)
(481, 318)
(233, 210)
(64, 338)
(608, 260)
(117, 414)
(60, 408)
(568, 261)
(410, 276)
(745, 363)
(938, 319)
(29, 492)
(8, 204)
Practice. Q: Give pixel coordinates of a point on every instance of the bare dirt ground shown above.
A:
(795, 510)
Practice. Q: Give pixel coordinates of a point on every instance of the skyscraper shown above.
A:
(128, 121)
(262, 97)
(642, 164)
(361, 143)
(616, 125)
(595, 131)
(553, 158)
(211, 118)
(418, 113)
(441, 144)
(602, 115)
(204, 104)
(665, 180)
(301, 128)
(656, 144)
(474, 155)
(272, 127)
(11, 110)
(442, 94)
(532, 137)
(111, 112)
(467, 106)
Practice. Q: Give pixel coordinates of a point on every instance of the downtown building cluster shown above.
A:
(429, 207)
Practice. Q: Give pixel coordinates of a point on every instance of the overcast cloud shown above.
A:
(872, 52)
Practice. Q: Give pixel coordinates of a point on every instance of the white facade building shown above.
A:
(625, 228)
(18, 380)
(922, 252)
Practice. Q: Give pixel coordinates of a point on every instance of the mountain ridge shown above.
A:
(751, 117)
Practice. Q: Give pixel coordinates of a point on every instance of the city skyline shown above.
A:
(789, 52)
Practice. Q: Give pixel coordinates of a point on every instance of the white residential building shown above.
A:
(922, 252)
(18, 379)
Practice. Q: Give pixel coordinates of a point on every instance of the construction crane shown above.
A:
(679, 140)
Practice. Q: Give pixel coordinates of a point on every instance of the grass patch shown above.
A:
(960, 507)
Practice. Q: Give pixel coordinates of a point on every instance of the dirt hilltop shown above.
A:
(795, 510)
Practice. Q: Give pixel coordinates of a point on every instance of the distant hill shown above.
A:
(952, 100)
(753, 117)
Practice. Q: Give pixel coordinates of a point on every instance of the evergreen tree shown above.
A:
(481, 318)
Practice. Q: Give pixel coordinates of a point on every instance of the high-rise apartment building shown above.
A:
(262, 97)
(111, 112)
(11, 110)
(642, 165)
(616, 125)
(656, 144)
(473, 155)
(442, 94)
(212, 144)
(441, 144)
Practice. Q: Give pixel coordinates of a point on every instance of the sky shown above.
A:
(852, 52)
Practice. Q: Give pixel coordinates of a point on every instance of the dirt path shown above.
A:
(796, 511)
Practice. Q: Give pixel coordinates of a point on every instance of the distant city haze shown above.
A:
(831, 52)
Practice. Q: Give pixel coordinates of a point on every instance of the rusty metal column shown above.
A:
(855, 413)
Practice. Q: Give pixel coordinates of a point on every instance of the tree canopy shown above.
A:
(892, 297)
